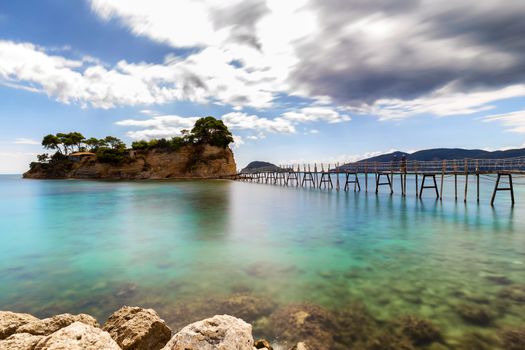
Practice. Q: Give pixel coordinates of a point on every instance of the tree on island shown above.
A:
(63, 143)
(207, 130)
(210, 131)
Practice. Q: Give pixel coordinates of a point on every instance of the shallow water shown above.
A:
(89, 246)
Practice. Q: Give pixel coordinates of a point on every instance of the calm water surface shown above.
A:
(180, 247)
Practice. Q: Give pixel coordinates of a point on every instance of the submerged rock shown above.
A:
(477, 341)
(246, 306)
(219, 332)
(11, 321)
(514, 292)
(78, 336)
(262, 344)
(418, 330)
(135, 328)
(50, 325)
(300, 346)
(304, 322)
(498, 279)
(20, 341)
(388, 341)
(513, 339)
(475, 314)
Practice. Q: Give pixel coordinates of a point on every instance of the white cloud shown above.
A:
(25, 141)
(316, 114)
(514, 121)
(443, 102)
(164, 126)
(243, 121)
(203, 77)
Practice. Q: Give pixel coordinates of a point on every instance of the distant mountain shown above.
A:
(448, 153)
(259, 166)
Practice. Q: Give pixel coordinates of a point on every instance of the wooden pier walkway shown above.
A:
(427, 175)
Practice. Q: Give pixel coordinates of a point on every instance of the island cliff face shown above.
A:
(191, 161)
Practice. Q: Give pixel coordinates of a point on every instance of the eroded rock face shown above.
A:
(135, 328)
(20, 341)
(50, 325)
(11, 321)
(78, 336)
(188, 162)
(221, 332)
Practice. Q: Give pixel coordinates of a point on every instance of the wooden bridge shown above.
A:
(428, 175)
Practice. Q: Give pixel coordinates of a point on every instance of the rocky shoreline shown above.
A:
(129, 328)
(290, 327)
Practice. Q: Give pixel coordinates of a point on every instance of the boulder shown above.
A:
(50, 325)
(11, 321)
(221, 332)
(20, 341)
(135, 328)
(78, 336)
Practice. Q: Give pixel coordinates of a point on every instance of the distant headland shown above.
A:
(202, 152)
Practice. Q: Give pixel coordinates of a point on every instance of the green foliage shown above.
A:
(51, 142)
(42, 158)
(114, 143)
(140, 145)
(173, 144)
(64, 143)
(210, 131)
(110, 155)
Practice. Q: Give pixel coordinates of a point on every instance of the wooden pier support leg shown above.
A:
(357, 183)
(456, 187)
(438, 196)
(346, 181)
(442, 182)
(477, 187)
(390, 180)
(466, 187)
(378, 177)
(417, 186)
(422, 186)
(495, 190)
(366, 181)
(402, 184)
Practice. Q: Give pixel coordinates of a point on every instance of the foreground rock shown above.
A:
(20, 341)
(78, 336)
(50, 325)
(135, 328)
(11, 321)
(222, 332)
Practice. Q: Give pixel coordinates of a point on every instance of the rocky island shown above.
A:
(202, 152)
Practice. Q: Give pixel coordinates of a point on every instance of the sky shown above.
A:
(295, 80)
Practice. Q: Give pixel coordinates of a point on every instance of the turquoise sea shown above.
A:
(190, 249)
